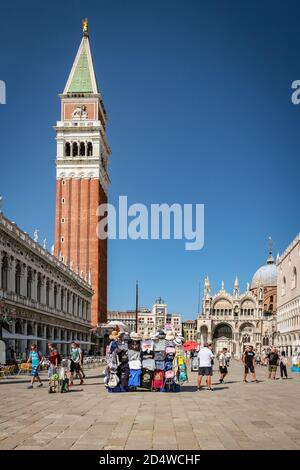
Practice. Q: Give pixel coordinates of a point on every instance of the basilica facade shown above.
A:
(236, 319)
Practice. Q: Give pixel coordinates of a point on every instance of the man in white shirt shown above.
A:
(205, 358)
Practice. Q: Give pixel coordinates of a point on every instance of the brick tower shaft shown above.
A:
(82, 177)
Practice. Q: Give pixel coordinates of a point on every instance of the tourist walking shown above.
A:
(227, 357)
(35, 357)
(75, 363)
(283, 365)
(54, 359)
(205, 362)
(273, 363)
(249, 363)
(81, 360)
(223, 365)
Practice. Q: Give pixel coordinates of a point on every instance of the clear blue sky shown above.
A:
(198, 97)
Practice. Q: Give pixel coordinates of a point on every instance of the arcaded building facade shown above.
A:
(42, 298)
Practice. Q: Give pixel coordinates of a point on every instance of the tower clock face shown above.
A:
(160, 311)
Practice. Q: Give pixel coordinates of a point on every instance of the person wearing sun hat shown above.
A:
(114, 337)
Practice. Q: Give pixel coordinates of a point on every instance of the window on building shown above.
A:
(82, 149)
(4, 273)
(67, 149)
(89, 149)
(265, 341)
(63, 200)
(283, 287)
(294, 278)
(75, 149)
(29, 284)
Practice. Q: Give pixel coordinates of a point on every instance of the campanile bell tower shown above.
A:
(82, 176)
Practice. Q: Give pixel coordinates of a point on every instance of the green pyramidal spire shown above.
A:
(81, 81)
(82, 78)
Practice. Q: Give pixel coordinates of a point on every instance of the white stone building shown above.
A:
(236, 319)
(288, 298)
(43, 299)
(152, 320)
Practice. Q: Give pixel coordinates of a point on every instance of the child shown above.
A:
(35, 358)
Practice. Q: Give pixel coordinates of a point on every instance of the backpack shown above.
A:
(146, 380)
(158, 379)
(134, 378)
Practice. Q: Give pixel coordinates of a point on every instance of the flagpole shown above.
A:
(136, 305)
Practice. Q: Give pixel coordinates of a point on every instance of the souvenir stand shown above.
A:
(154, 363)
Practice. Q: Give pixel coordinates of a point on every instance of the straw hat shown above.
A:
(135, 336)
(170, 335)
(114, 336)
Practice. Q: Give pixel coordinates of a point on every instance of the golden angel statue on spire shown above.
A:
(85, 26)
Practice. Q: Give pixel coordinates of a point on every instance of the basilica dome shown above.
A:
(265, 276)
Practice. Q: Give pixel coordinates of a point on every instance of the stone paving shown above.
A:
(264, 415)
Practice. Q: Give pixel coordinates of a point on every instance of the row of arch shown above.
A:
(78, 149)
(24, 281)
(41, 334)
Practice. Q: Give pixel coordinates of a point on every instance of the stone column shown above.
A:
(34, 286)
(51, 294)
(24, 275)
(11, 278)
(24, 341)
(43, 290)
